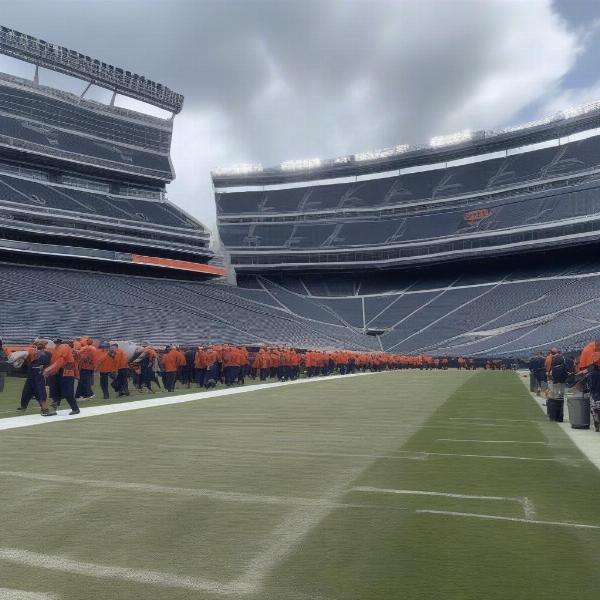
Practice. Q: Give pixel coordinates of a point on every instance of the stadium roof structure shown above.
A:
(70, 62)
(440, 149)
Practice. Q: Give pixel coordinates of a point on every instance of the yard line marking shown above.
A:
(496, 456)
(94, 411)
(499, 518)
(75, 567)
(491, 441)
(525, 503)
(290, 452)
(10, 594)
(192, 492)
(428, 493)
(285, 536)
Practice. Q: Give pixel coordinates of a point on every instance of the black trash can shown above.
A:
(579, 411)
(555, 408)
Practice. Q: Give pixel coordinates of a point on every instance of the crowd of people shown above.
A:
(65, 369)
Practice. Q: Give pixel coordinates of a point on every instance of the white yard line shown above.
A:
(74, 567)
(450, 513)
(148, 488)
(33, 420)
(490, 441)
(525, 503)
(492, 456)
(586, 440)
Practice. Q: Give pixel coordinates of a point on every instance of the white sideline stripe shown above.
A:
(525, 503)
(32, 420)
(450, 513)
(491, 441)
(9, 594)
(75, 567)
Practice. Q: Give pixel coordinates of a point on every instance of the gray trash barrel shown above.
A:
(579, 411)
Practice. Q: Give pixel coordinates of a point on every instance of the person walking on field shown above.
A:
(62, 372)
(36, 361)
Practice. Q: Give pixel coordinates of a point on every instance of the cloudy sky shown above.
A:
(272, 80)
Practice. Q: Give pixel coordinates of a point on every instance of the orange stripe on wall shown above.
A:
(171, 263)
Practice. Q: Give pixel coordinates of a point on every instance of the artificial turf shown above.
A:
(254, 496)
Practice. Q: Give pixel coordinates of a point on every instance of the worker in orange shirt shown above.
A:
(121, 363)
(199, 366)
(146, 362)
(62, 373)
(211, 359)
(589, 363)
(86, 358)
(105, 365)
(262, 364)
(171, 361)
(231, 364)
(244, 364)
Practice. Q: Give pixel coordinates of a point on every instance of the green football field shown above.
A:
(405, 485)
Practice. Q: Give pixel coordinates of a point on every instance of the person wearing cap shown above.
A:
(37, 359)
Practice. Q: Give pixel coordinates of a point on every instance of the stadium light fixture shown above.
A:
(341, 160)
(451, 139)
(575, 111)
(239, 169)
(383, 153)
(301, 165)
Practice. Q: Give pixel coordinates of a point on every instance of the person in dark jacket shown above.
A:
(38, 358)
(558, 374)
(537, 368)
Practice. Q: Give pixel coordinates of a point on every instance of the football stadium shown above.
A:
(379, 377)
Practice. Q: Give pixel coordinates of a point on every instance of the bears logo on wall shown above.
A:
(474, 217)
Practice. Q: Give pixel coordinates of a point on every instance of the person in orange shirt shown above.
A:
(262, 364)
(61, 372)
(87, 359)
(200, 366)
(146, 361)
(231, 364)
(211, 359)
(121, 364)
(589, 362)
(244, 367)
(105, 365)
(170, 363)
